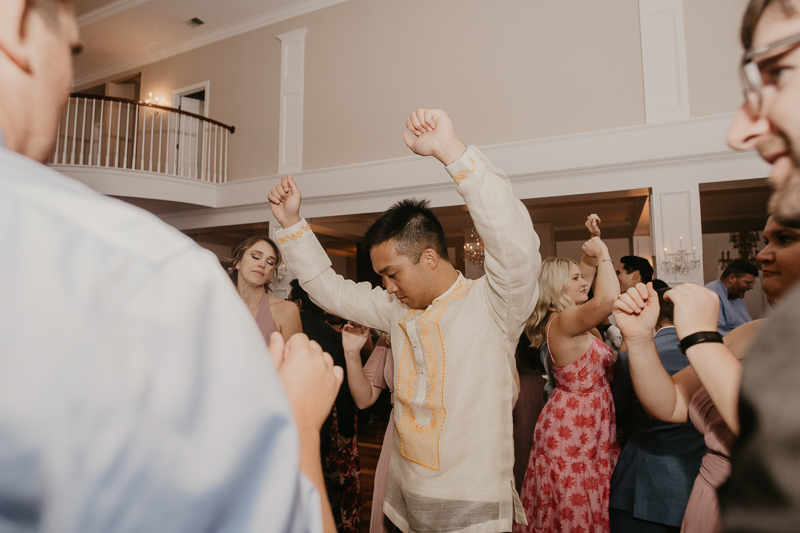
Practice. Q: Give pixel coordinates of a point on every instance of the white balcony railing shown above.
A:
(102, 131)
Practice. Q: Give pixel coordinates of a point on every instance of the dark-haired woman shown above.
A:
(254, 265)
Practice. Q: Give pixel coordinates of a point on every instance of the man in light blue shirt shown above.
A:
(737, 278)
(136, 392)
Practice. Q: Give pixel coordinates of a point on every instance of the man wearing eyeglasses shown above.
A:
(763, 492)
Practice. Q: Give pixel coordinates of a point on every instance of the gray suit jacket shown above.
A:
(657, 468)
(763, 492)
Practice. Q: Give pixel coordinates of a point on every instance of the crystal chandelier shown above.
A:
(473, 249)
(281, 273)
(679, 262)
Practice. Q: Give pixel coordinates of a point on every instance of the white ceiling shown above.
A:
(120, 35)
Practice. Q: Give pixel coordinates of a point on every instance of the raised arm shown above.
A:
(511, 246)
(303, 253)
(353, 340)
(663, 397)
(588, 264)
(581, 318)
(696, 309)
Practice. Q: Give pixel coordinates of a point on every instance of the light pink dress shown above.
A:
(575, 449)
(379, 369)
(264, 318)
(702, 511)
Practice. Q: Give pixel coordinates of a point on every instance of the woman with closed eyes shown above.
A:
(254, 265)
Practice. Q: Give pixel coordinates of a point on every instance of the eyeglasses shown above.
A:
(750, 71)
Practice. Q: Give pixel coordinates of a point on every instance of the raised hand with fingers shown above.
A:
(311, 381)
(636, 312)
(284, 199)
(354, 337)
(696, 309)
(432, 133)
(276, 348)
(592, 224)
(596, 248)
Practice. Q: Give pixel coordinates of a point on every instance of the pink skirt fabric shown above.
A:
(702, 511)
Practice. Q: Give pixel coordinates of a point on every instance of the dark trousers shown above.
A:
(624, 522)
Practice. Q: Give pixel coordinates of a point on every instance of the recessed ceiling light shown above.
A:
(194, 22)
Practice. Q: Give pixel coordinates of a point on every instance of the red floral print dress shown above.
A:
(566, 487)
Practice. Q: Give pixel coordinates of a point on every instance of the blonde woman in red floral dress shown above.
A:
(566, 487)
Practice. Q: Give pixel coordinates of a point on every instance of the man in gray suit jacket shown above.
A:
(657, 468)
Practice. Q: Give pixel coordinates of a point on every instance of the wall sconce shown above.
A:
(156, 101)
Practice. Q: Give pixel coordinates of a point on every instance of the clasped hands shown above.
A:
(636, 311)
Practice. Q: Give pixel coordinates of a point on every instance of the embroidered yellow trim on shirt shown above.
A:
(464, 172)
(420, 426)
(296, 235)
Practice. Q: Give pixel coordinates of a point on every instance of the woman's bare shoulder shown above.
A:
(739, 340)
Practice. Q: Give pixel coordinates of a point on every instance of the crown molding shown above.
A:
(112, 8)
(231, 30)
(683, 154)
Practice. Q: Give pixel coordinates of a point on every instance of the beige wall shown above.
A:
(505, 71)
(713, 53)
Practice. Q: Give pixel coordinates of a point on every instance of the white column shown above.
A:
(290, 140)
(666, 87)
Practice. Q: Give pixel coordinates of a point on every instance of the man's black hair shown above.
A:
(413, 227)
(633, 263)
(666, 309)
(739, 267)
(299, 293)
(659, 284)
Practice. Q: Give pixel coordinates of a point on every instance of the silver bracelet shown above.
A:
(603, 260)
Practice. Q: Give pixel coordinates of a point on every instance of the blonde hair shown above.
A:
(554, 278)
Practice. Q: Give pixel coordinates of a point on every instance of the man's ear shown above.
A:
(13, 44)
(430, 258)
(637, 276)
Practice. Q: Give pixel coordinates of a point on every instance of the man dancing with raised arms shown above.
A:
(453, 338)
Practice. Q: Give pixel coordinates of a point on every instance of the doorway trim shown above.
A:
(205, 85)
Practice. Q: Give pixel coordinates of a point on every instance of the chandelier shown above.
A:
(680, 261)
(473, 249)
(281, 273)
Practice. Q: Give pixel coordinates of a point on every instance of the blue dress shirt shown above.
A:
(732, 312)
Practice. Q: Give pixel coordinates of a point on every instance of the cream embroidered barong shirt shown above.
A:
(451, 466)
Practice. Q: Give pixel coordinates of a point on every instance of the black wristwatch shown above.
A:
(699, 338)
